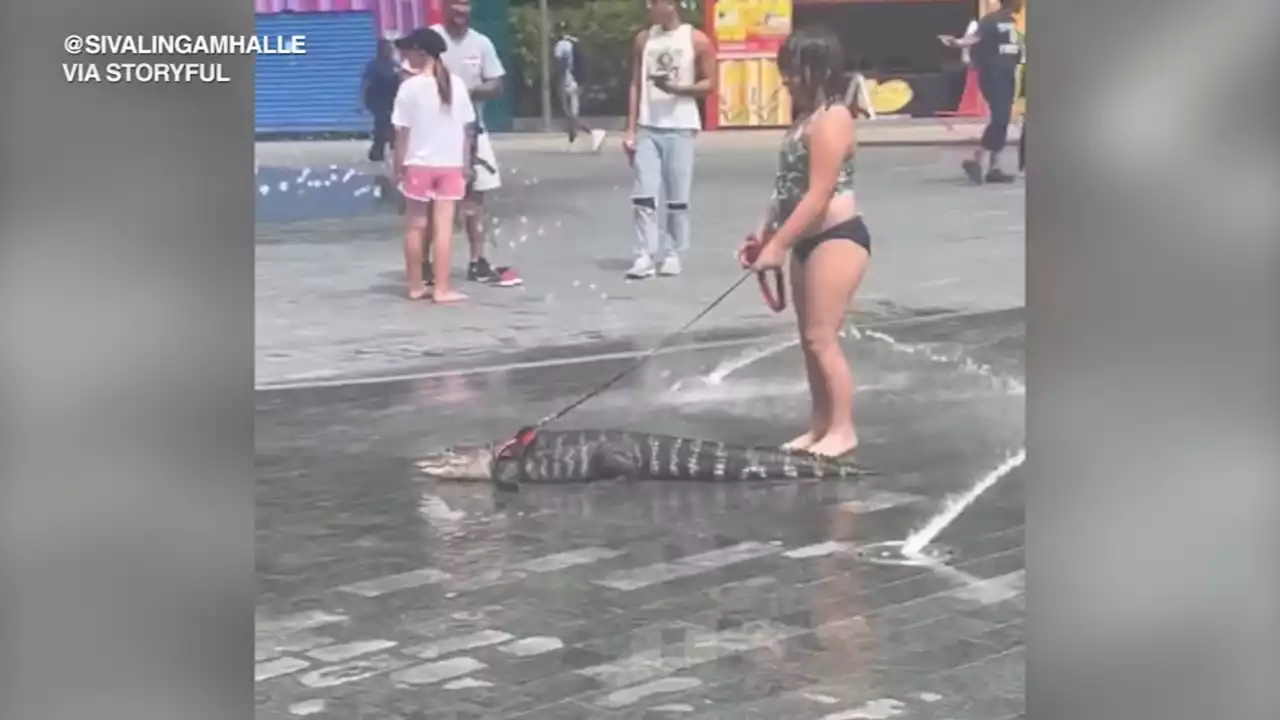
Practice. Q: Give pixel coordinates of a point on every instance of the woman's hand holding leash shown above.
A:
(765, 258)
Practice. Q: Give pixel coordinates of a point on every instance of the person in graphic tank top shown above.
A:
(672, 70)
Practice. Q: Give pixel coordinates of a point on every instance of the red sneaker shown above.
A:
(507, 277)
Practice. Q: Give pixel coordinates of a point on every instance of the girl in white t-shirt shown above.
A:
(435, 143)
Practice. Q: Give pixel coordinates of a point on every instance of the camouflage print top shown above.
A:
(792, 181)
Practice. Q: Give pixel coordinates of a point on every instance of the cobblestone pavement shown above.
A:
(385, 595)
(329, 286)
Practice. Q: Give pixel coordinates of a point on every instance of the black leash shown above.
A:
(642, 359)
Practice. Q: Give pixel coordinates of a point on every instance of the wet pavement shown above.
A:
(329, 268)
(384, 594)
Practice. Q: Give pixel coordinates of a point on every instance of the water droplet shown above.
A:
(604, 296)
(541, 231)
(302, 177)
(592, 286)
(524, 219)
(263, 190)
(348, 175)
(577, 283)
(283, 186)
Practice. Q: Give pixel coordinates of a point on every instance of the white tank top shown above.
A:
(668, 53)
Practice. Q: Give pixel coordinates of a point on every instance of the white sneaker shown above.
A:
(597, 140)
(641, 269)
(670, 266)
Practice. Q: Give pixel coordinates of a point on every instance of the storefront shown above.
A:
(747, 35)
(319, 92)
(893, 43)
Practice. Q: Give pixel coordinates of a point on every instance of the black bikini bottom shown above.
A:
(852, 229)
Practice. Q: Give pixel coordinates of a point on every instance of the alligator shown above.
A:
(583, 456)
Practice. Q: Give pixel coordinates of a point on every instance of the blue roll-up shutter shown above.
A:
(318, 92)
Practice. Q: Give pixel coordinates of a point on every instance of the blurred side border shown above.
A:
(1153, 412)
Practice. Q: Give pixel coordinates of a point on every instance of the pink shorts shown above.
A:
(425, 184)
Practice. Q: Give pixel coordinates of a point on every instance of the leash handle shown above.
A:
(775, 297)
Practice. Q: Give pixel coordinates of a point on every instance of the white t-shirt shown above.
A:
(473, 57)
(437, 134)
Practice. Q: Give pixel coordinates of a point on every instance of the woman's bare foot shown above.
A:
(804, 442)
(834, 445)
(420, 293)
(448, 296)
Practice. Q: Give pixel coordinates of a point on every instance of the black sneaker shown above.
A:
(482, 272)
(973, 170)
(1000, 176)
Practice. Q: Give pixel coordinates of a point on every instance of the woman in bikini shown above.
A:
(813, 218)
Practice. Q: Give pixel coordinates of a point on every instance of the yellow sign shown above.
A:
(751, 26)
(890, 96)
(752, 94)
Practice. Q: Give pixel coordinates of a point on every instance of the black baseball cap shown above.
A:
(424, 39)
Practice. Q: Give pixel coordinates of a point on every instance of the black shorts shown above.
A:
(852, 229)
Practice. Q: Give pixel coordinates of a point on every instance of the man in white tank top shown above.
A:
(673, 68)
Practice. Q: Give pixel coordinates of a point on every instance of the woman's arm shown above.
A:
(830, 135)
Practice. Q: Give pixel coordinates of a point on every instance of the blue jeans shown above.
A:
(663, 168)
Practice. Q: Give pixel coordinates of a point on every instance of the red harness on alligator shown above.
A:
(516, 446)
